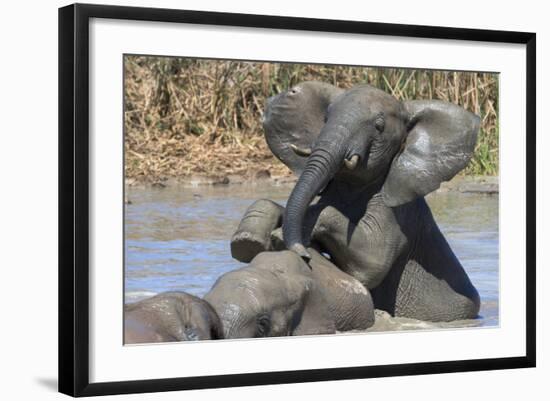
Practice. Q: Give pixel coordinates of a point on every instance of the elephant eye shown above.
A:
(379, 122)
(295, 90)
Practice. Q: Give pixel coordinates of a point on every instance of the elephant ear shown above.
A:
(293, 120)
(440, 142)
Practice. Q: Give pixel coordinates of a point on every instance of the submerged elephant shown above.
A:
(278, 294)
(170, 316)
(371, 158)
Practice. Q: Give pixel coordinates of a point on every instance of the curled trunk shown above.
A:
(321, 166)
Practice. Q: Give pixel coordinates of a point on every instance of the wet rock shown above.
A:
(221, 181)
(158, 184)
(291, 179)
(471, 184)
(263, 175)
(479, 188)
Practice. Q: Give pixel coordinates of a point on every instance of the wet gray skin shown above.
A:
(170, 316)
(372, 162)
(278, 294)
(272, 296)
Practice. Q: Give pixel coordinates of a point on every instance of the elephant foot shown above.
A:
(245, 246)
(253, 234)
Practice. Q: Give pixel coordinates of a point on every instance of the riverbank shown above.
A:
(203, 118)
(488, 185)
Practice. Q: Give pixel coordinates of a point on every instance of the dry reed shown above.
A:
(188, 117)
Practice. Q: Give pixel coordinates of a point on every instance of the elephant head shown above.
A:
(275, 295)
(366, 137)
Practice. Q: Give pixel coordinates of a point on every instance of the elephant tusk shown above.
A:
(300, 151)
(352, 163)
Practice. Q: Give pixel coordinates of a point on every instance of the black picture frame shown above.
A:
(74, 198)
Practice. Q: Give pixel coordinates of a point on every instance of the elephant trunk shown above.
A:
(323, 163)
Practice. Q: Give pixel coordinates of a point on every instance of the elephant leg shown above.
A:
(254, 232)
(367, 248)
(349, 302)
(432, 286)
(260, 229)
(403, 258)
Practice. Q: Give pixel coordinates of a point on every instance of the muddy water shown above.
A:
(178, 239)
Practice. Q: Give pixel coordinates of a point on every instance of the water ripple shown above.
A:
(178, 239)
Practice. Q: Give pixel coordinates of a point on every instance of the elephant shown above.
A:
(170, 316)
(349, 302)
(278, 294)
(370, 159)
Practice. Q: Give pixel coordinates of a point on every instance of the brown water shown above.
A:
(177, 238)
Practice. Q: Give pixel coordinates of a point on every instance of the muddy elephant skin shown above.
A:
(370, 159)
(170, 316)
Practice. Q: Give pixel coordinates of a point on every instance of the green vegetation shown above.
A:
(186, 116)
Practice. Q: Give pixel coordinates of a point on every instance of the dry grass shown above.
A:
(197, 117)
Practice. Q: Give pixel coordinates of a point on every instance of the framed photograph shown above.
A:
(252, 199)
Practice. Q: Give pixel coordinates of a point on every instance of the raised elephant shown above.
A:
(372, 158)
(278, 294)
(170, 316)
